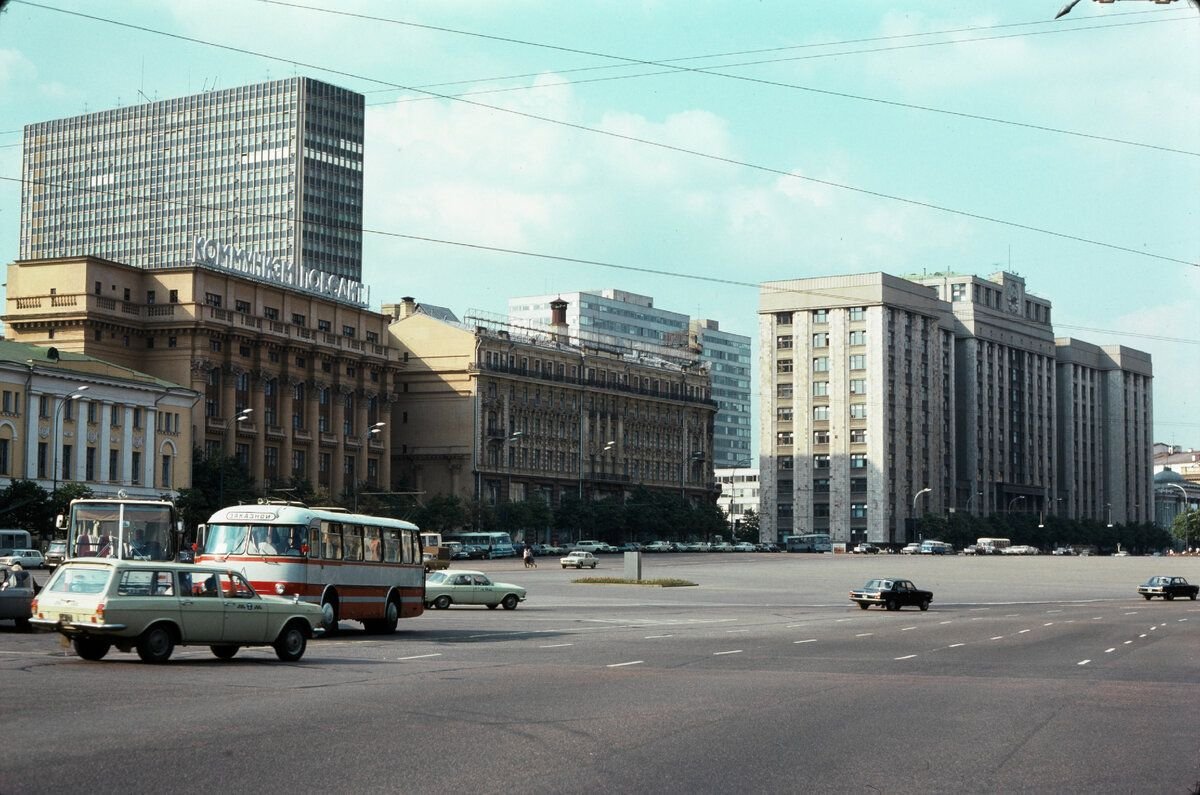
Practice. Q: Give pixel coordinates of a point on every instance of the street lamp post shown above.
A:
(916, 497)
(1109, 506)
(1014, 501)
(697, 455)
(1188, 540)
(242, 416)
(971, 497)
(375, 429)
(75, 395)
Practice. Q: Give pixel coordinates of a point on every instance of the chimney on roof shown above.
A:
(406, 308)
(558, 320)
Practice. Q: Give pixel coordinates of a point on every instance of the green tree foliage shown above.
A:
(749, 528)
(1186, 528)
(217, 481)
(25, 505)
(443, 513)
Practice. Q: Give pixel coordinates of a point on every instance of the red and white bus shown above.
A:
(357, 567)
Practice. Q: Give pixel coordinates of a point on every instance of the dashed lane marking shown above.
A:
(736, 630)
(648, 637)
(905, 657)
(956, 645)
(1110, 651)
(1083, 662)
(419, 656)
(864, 634)
(622, 665)
(556, 645)
(1048, 624)
(1128, 642)
(1022, 632)
(719, 653)
(807, 640)
(998, 637)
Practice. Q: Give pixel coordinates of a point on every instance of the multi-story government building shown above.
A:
(269, 172)
(886, 398)
(616, 317)
(499, 413)
(291, 382)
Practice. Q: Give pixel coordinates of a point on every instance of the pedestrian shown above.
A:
(530, 563)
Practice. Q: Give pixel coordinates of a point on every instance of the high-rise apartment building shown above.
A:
(886, 398)
(628, 320)
(263, 179)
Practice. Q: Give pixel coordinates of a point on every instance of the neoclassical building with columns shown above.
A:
(294, 382)
(70, 418)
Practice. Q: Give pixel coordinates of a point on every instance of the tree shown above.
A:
(441, 514)
(27, 506)
(748, 528)
(217, 481)
(1186, 528)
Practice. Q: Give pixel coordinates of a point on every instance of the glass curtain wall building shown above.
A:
(273, 168)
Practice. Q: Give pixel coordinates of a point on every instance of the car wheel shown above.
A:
(924, 605)
(492, 606)
(564, 565)
(156, 644)
(223, 652)
(579, 566)
(510, 601)
(593, 565)
(442, 602)
(892, 605)
(863, 605)
(1147, 596)
(1170, 597)
(91, 648)
(291, 643)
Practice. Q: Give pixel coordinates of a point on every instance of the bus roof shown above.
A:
(295, 514)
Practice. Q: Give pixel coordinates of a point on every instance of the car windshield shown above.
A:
(435, 577)
(878, 585)
(79, 579)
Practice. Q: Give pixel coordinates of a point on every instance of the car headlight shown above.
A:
(279, 588)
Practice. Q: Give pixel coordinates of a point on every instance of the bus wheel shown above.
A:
(387, 624)
(329, 615)
(509, 602)
(442, 602)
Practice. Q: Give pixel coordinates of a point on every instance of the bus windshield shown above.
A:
(255, 539)
(128, 530)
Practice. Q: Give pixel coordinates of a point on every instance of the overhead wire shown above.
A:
(635, 139)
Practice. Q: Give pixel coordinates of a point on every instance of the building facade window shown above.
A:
(858, 313)
(858, 337)
(821, 461)
(858, 386)
(858, 411)
(820, 364)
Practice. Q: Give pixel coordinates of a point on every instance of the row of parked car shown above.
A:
(600, 547)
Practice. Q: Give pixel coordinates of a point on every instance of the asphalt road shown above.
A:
(1028, 674)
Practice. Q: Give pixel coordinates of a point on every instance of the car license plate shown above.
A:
(65, 618)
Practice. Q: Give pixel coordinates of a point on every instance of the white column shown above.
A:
(104, 418)
(80, 468)
(127, 445)
(149, 447)
(31, 435)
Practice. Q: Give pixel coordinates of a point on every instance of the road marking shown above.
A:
(809, 640)
(944, 622)
(1183, 619)
(719, 653)
(1132, 613)
(1048, 624)
(1153, 628)
(1128, 642)
(906, 629)
(864, 634)
(622, 665)
(1097, 618)
(737, 630)
(556, 645)
(905, 657)
(840, 620)
(1083, 662)
(1053, 611)
(956, 645)
(998, 637)
(1110, 651)
(1142, 635)
(1022, 632)
(419, 656)
(648, 637)
(1011, 615)
(793, 626)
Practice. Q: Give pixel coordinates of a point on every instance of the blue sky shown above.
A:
(818, 150)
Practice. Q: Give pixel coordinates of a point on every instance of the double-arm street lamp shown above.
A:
(374, 430)
(1187, 541)
(75, 395)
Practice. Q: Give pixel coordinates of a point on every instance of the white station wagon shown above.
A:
(151, 606)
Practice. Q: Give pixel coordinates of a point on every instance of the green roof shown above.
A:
(74, 363)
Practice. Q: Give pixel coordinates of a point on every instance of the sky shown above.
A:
(692, 150)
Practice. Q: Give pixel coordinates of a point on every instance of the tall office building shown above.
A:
(886, 398)
(628, 320)
(264, 179)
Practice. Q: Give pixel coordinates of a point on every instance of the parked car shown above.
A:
(462, 587)
(659, 546)
(470, 552)
(630, 546)
(1168, 588)
(891, 594)
(154, 606)
(588, 546)
(866, 549)
(579, 559)
(28, 558)
(911, 549)
(56, 553)
(16, 595)
(744, 546)
(722, 546)
(605, 548)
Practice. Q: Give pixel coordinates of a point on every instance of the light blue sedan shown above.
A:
(461, 587)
